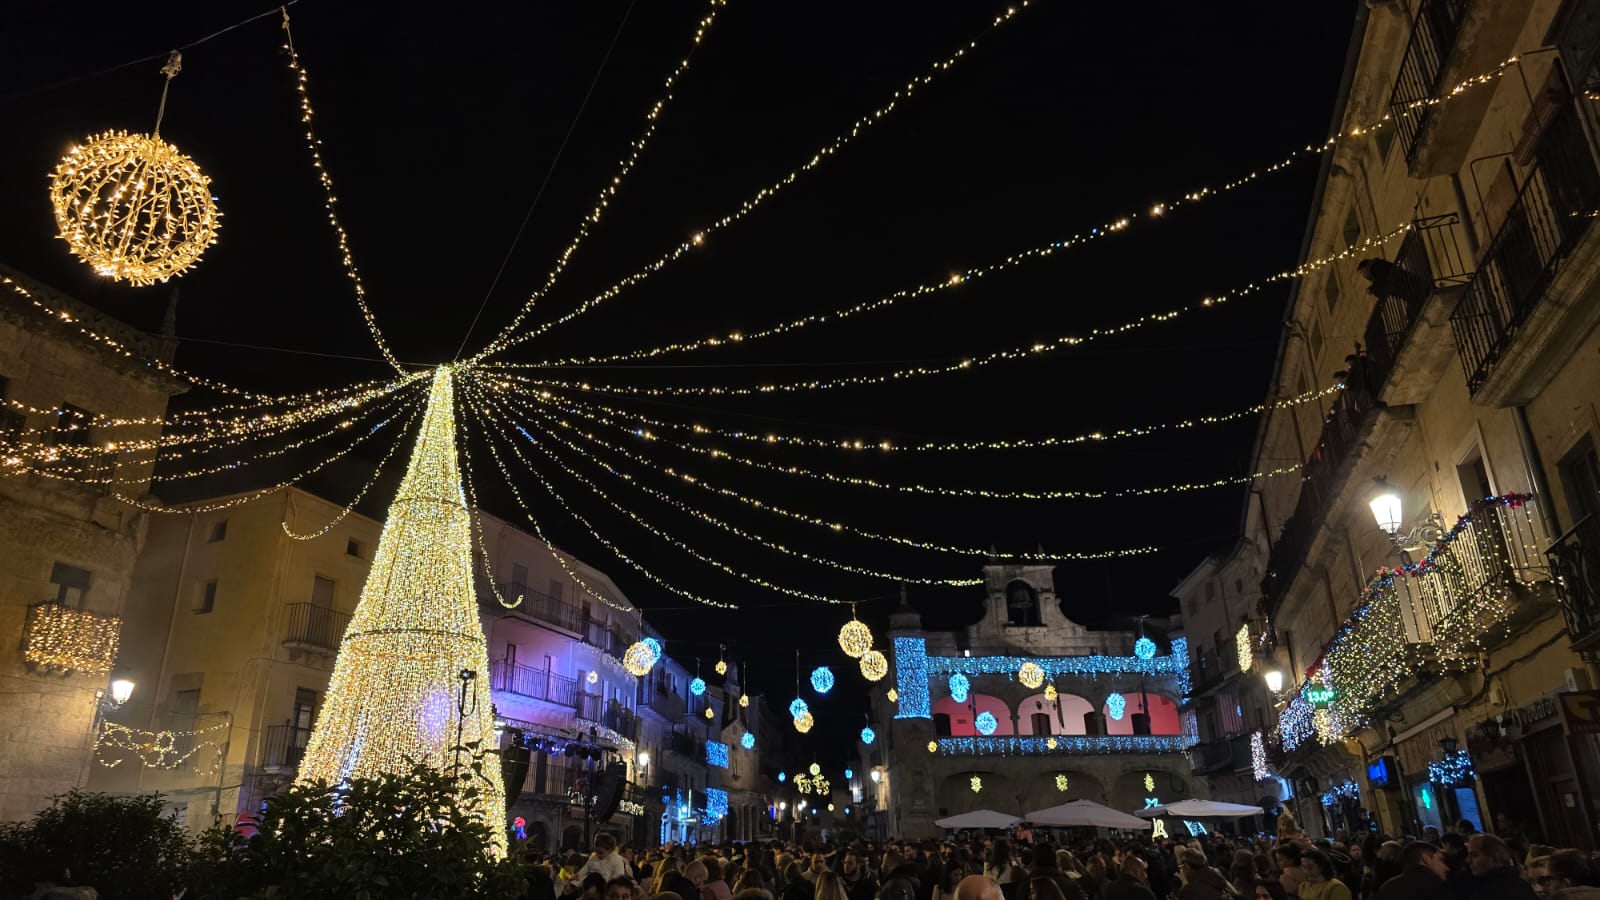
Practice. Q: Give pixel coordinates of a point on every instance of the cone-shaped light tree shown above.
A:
(397, 687)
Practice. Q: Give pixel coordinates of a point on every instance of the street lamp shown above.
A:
(1274, 680)
(875, 776)
(1388, 511)
(121, 690)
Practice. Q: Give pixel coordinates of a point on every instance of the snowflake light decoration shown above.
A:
(1050, 692)
(977, 784)
(641, 657)
(1061, 783)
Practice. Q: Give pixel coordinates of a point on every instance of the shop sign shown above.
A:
(1580, 711)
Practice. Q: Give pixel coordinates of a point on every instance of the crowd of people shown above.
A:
(1461, 864)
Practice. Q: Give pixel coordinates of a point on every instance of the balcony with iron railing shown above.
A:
(1575, 562)
(535, 684)
(282, 747)
(546, 608)
(1216, 757)
(656, 700)
(1433, 36)
(57, 637)
(1407, 341)
(1532, 282)
(315, 628)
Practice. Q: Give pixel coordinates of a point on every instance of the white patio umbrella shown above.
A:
(1084, 813)
(1200, 809)
(978, 818)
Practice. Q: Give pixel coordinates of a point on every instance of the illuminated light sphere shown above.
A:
(748, 741)
(654, 645)
(782, 777)
(697, 686)
(1031, 675)
(722, 667)
(798, 708)
(855, 639)
(977, 784)
(868, 735)
(1050, 692)
(640, 658)
(1144, 648)
(986, 723)
(822, 679)
(1061, 783)
(848, 774)
(1116, 704)
(710, 713)
(933, 746)
(893, 695)
(392, 700)
(133, 207)
(874, 666)
(959, 685)
(815, 769)
(803, 723)
(593, 677)
(744, 700)
(830, 807)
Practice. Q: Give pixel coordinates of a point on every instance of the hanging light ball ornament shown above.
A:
(1144, 648)
(803, 723)
(722, 667)
(1031, 675)
(814, 769)
(868, 736)
(747, 741)
(986, 723)
(744, 701)
(855, 638)
(697, 686)
(710, 712)
(798, 708)
(1050, 692)
(933, 746)
(822, 679)
(893, 695)
(640, 658)
(133, 207)
(959, 685)
(874, 666)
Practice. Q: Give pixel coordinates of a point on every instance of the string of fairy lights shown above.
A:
(377, 472)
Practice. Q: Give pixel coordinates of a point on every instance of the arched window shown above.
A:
(1041, 723)
(1022, 604)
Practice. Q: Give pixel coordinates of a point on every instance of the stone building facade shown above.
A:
(1427, 589)
(965, 731)
(67, 543)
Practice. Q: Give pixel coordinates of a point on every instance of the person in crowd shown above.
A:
(592, 887)
(945, 889)
(1132, 882)
(896, 888)
(620, 888)
(1200, 880)
(830, 887)
(749, 880)
(858, 882)
(604, 861)
(1003, 870)
(1242, 872)
(1422, 875)
(1321, 883)
(669, 878)
(1291, 874)
(978, 887)
(1044, 866)
(819, 864)
(796, 887)
(1496, 869)
(895, 866)
(1571, 876)
(715, 887)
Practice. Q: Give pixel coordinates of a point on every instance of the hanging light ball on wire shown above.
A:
(803, 723)
(133, 207)
(640, 658)
(874, 665)
(855, 638)
(1031, 675)
(722, 667)
(822, 679)
(798, 707)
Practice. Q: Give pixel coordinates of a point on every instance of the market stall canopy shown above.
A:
(1200, 809)
(1085, 813)
(978, 818)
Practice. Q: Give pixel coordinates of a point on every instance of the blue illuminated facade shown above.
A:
(911, 678)
(717, 754)
(716, 805)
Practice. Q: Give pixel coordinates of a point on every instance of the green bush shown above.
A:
(398, 837)
(124, 847)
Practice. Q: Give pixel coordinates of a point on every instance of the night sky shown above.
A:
(440, 124)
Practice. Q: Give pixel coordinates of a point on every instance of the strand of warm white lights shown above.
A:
(1120, 223)
(1016, 353)
(252, 495)
(609, 192)
(857, 444)
(593, 532)
(828, 150)
(675, 542)
(934, 490)
(68, 318)
(331, 198)
(377, 472)
(742, 497)
(133, 460)
(706, 517)
(480, 541)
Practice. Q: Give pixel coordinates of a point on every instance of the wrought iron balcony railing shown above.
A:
(537, 684)
(315, 627)
(63, 638)
(283, 746)
(1553, 210)
(1432, 257)
(1575, 561)
(1433, 37)
(544, 607)
(664, 704)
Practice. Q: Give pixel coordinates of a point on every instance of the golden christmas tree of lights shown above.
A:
(397, 686)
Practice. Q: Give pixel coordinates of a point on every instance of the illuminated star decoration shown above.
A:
(1149, 783)
(1144, 648)
(1116, 704)
(1050, 692)
(977, 784)
(722, 667)
(868, 736)
(958, 687)
(849, 774)
(986, 723)
(1061, 782)
(697, 686)
(748, 741)
(641, 657)
(822, 679)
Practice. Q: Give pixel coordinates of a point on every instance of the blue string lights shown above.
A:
(959, 685)
(1344, 789)
(986, 723)
(1064, 744)
(1453, 771)
(822, 679)
(717, 754)
(911, 678)
(716, 805)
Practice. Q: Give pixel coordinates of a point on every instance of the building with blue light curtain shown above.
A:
(988, 717)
